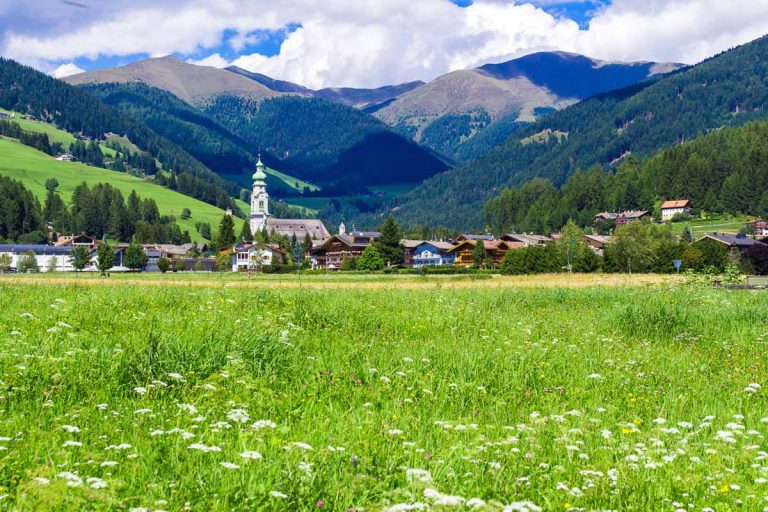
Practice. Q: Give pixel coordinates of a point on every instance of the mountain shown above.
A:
(364, 99)
(452, 109)
(730, 89)
(193, 84)
(28, 91)
(228, 116)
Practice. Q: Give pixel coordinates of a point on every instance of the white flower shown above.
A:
(191, 409)
(96, 483)
(422, 475)
(72, 479)
(475, 503)
(42, 481)
(659, 421)
(276, 494)
(251, 455)
(522, 506)
(229, 465)
(122, 446)
(203, 448)
(238, 415)
(263, 424)
(595, 376)
(142, 411)
(70, 428)
(72, 443)
(394, 432)
(140, 390)
(303, 446)
(108, 464)
(177, 376)
(441, 499)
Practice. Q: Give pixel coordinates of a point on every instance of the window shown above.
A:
(261, 204)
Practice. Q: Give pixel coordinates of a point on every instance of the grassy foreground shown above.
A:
(381, 398)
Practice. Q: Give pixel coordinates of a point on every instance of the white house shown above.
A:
(671, 208)
(45, 255)
(254, 256)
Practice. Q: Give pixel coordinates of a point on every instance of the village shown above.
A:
(313, 247)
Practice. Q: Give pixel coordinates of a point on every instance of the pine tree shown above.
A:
(245, 232)
(226, 236)
(389, 244)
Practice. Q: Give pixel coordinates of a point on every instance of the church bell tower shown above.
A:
(259, 199)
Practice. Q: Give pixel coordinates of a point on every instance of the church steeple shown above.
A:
(259, 198)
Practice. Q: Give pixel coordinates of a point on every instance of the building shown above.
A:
(254, 256)
(470, 236)
(464, 252)
(604, 216)
(331, 252)
(66, 157)
(409, 251)
(81, 240)
(433, 254)
(631, 216)
(596, 242)
(675, 207)
(45, 255)
(760, 227)
(739, 243)
(518, 241)
(260, 218)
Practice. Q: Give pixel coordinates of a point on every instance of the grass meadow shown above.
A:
(389, 394)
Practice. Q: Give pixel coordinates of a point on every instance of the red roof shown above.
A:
(679, 203)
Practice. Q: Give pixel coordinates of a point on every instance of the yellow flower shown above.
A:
(724, 488)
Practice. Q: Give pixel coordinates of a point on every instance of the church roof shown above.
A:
(259, 175)
(299, 227)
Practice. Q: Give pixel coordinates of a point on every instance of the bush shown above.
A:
(279, 269)
(27, 263)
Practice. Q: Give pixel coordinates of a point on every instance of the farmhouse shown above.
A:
(433, 253)
(331, 252)
(675, 207)
(760, 227)
(464, 252)
(260, 219)
(739, 243)
(596, 242)
(621, 218)
(81, 240)
(409, 251)
(470, 236)
(517, 241)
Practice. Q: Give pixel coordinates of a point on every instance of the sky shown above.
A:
(367, 43)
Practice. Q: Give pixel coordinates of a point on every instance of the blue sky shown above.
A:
(367, 43)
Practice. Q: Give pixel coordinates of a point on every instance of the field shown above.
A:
(33, 168)
(701, 227)
(226, 393)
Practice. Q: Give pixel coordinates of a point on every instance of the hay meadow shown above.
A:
(382, 394)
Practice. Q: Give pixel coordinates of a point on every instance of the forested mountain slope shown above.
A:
(730, 89)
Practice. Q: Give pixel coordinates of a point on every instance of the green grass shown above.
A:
(592, 399)
(701, 227)
(33, 168)
(292, 182)
(393, 190)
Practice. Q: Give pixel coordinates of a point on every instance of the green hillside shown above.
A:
(730, 89)
(32, 168)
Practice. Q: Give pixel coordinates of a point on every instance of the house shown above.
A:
(464, 251)
(118, 264)
(739, 243)
(604, 216)
(81, 240)
(518, 241)
(433, 254)
(596, 242)
(631, 216)
(254, 256)
(45, 255)
(330, 253)
(469, 236)
(760, 227)
(66, 157)
(675, 207)
(409, 251)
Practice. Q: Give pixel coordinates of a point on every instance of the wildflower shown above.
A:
(276, 494)
(108, 464)
(238, 415)
(141, 390)
(407, 360)
(475, 503)
(522, 506)
(394, 432)
(177, 376)
(229, 465)
(320, 504)
(42, 481)
(440, 499)
(191, 409)
(203, 448)
(422, 475)
(72, 479)
(72, 443)
(122, 446)
(142, 411)
(251, 455)
(70, 428)
(595, 376)
(752, 388)
(303, 446)
(263, 424)
(306, 468)
(96, 483)
(407, 507)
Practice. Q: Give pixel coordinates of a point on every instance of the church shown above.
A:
(260, 214)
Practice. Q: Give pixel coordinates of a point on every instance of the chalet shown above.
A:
(631, 216)
(45, 255)
(604, 216)
(760, 227)
(254, 256)
(330, 253)
(518, 241)
(433, 254)
(738, 243)
(596, 242)
(66, 157)
(81, 240)
(464, 251)
(675, 207)
(469, 236)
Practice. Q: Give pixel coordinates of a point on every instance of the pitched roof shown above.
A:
(410, 244)
(598, 238)
(299, 227)
(731, 240)
(470, 236)
(37, 248)
(677, 203)
(443, 246)
(632, 214)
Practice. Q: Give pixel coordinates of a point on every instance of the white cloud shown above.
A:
(374, 42)
(67, 70)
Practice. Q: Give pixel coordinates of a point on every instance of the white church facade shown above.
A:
(260, 216)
